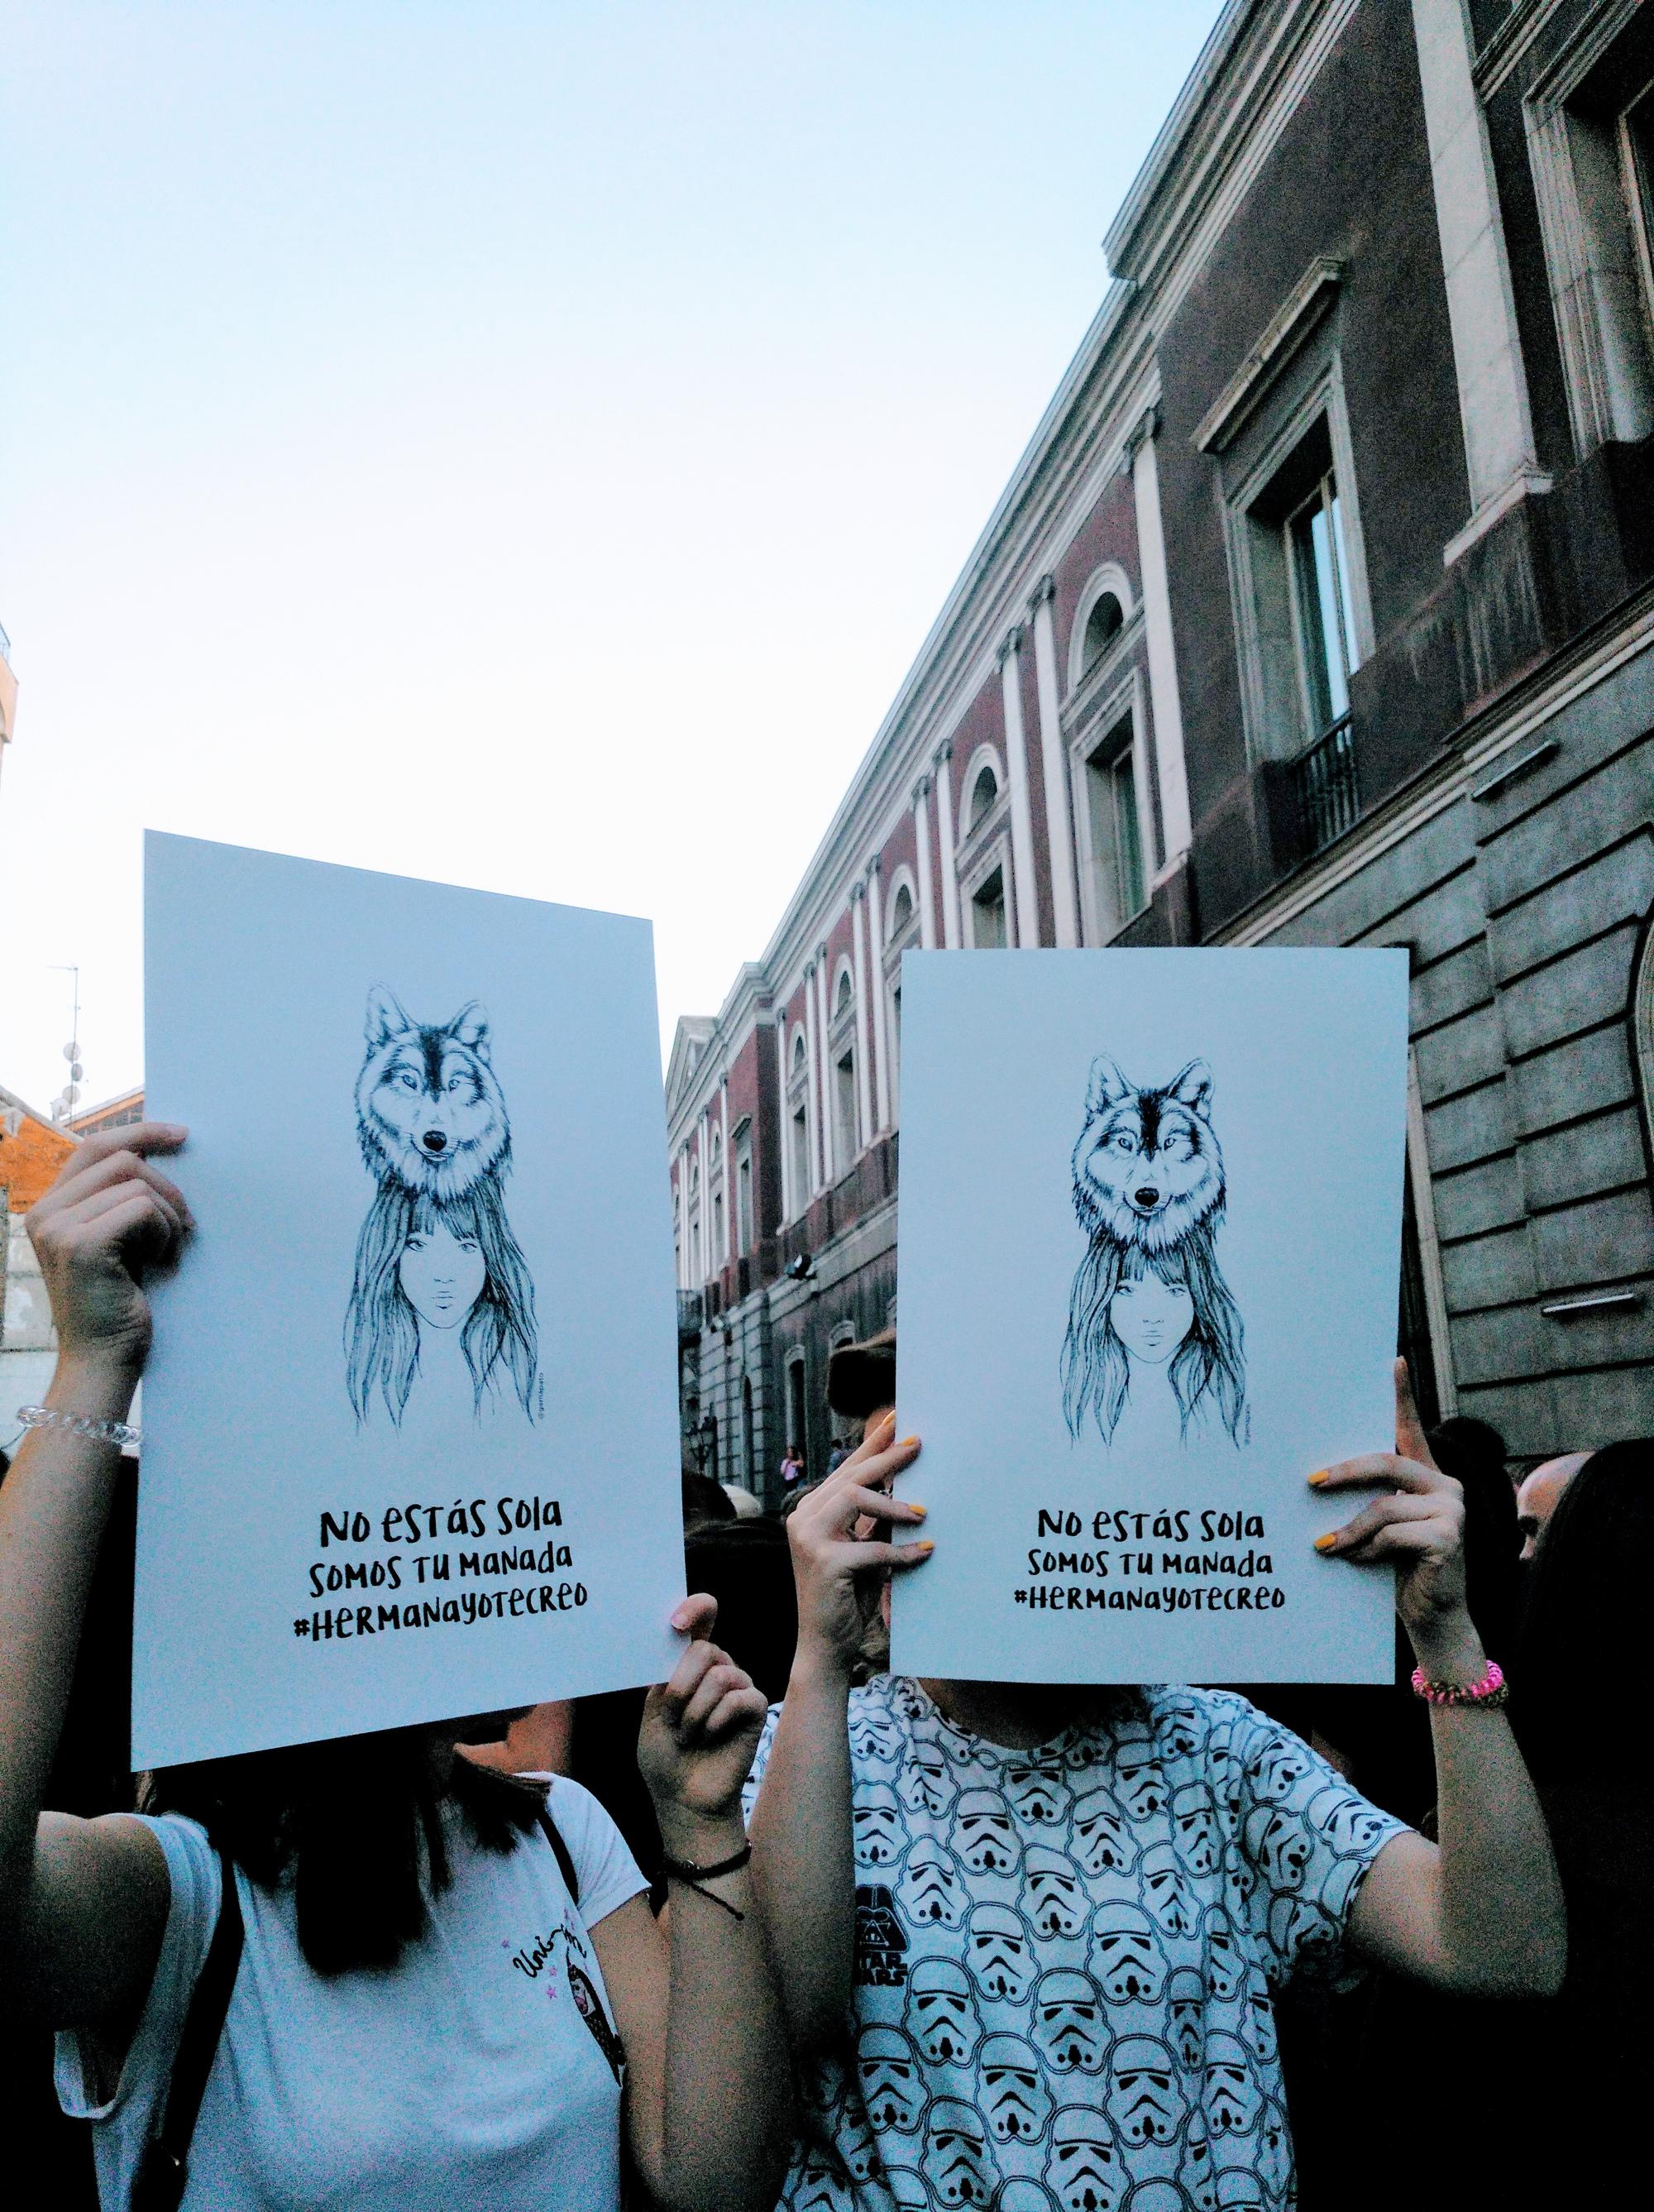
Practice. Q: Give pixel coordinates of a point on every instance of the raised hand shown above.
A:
(109, 1215)
(699, 1734)
(1417, 1524)
(837, 1562)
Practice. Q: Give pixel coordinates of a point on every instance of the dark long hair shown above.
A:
(1208, 1368)
(381, 1328)
(1584, 1625)
(359, 1829)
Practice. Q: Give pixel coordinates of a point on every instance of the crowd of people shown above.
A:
(789, 1929)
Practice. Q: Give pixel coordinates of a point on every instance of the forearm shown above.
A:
(804, 1862)
(1501, 1927)
(53, 1507)
(725, 2101)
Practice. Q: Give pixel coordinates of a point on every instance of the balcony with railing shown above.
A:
(1325, 796)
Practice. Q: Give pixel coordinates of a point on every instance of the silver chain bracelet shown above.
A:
(118, 1433)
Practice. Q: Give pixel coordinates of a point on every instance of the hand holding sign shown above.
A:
(834, 1558)
(1418, 1524)
(700, 1732)
(108, 1215)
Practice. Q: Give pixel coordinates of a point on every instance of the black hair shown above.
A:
(747, 1567)
(359, 1829)
(1582, 1629)
(703, 1500)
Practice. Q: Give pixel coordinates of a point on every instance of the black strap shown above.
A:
(561, 1852)
(163, 2172)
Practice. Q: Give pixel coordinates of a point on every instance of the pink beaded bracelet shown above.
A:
(1490, 1690)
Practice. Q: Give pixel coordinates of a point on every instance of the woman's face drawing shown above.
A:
(441, 1275)
(1151, 1318)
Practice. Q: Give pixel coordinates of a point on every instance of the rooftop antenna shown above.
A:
(69, 1096)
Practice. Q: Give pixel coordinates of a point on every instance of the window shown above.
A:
(803, 1181)
(716, 1253)
(841, 1004)
(894, 1033)
(744, 1189)
(984, 791)
(798, 1427)
(748, 1436)
(1591, 130)
(1113, 833)
(843, 1107)
(1103, 625)
(988, 932)
(901, 911)
(1324, 619)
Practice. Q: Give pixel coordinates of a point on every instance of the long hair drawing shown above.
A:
(1207, 1372)
(498, 1337)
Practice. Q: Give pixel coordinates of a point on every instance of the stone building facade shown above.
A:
(1320, 610)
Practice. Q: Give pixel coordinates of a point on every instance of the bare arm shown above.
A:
(708, 2083)
(803, 1859)
(1481, 1912)
(83, 1903)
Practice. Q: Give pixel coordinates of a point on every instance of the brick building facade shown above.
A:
(1320, 610)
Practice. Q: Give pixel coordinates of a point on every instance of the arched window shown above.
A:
(841, 1004)
(902, 910)
(1103, 625)
(799, 1056)
(984, 791)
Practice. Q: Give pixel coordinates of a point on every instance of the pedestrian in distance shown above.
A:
(450, 1992)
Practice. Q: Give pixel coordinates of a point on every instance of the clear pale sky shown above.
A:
(520, 445)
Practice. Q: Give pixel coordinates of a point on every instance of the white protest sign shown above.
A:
(410, 1428)
(1151, 1209)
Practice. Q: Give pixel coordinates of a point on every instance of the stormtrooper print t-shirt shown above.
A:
(1064, 1959)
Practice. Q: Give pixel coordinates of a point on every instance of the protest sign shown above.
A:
(410, 1430)
(1150, 1242)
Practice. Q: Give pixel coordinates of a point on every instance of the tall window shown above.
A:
(988, 932)
(984, 791)
(1113, 824)
(894, 1035)
(744, 1190)
(1322, 614)
(797, 1425)
(843, 1107)
(1103, 626)
(748, 1436)
(803, 1181)
(841, 1004)
(716, 1254)
(901, 911)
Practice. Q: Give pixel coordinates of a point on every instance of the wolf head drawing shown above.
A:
(430, 1113)
(1148, 1169)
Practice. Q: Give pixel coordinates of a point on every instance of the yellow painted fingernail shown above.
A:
(905, 1441)
(1316, 1480)
(924, 1544)
(1325, 1543)
(917, 1511)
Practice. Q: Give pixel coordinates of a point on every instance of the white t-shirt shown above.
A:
(464, 2079)
(1064, 1959)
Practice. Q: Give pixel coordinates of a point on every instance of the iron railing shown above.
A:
(1325, 793)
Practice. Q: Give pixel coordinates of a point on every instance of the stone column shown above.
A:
(1053, 761)
(784, 1125)
(947, 836)
(815, 1052)
(876, 1007)
(863, 1022)
(1026, 904)
(1492, 385)
(1157, 637)
(922, 845)
(830, 1163)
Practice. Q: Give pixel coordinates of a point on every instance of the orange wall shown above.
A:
(29, 1160)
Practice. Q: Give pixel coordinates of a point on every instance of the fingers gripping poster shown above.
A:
(1149, 1259)
(410, 1436)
